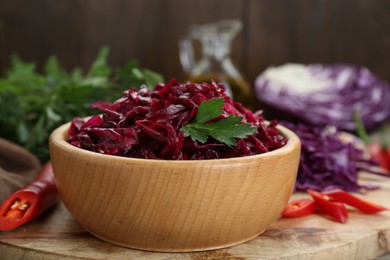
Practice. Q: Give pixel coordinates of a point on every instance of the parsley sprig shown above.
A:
(224, 130)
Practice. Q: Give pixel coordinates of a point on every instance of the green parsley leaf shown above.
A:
(209, 110)
(33, 104)
(196, 131)
(133, 76)
(224, 130)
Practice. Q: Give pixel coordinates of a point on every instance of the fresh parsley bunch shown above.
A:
(33, 104)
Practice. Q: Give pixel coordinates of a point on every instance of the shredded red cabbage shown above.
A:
(327, 162)
(146, 124)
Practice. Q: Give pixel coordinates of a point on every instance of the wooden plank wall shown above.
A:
(275, 31)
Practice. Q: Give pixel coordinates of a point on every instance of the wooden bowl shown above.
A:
(174, 206)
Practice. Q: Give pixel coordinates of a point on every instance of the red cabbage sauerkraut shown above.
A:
(146, 124)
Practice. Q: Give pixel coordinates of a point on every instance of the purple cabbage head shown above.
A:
(322, 94)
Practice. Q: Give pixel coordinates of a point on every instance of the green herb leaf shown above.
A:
(229, 128)
(99, 67)
(151, 78)
(33, 104)
(132, 76)
(209, 110)
(224, 130)
(197, 132)
(359, 125)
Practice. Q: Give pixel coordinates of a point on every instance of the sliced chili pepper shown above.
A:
(347, 198)
(333, 209)
(299, 208)
(30, 201)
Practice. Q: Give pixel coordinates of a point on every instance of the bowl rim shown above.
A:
(58, 138)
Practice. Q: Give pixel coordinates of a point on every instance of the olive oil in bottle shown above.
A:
(214, 62)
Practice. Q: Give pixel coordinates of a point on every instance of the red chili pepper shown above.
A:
(380, 154)
(377, 151)
(388, 158)
(299, 208)
(333, 209)
(386, 165)
(347, 198)
(30, 201)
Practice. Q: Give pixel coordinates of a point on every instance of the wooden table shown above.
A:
(56, 235)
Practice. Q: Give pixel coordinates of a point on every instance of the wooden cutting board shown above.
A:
(56, 235)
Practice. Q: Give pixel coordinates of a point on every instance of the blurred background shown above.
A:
(274, 32)
(37, 93)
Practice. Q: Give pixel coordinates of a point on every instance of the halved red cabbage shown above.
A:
(323, 95)
(328, 162)
(146, 124)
